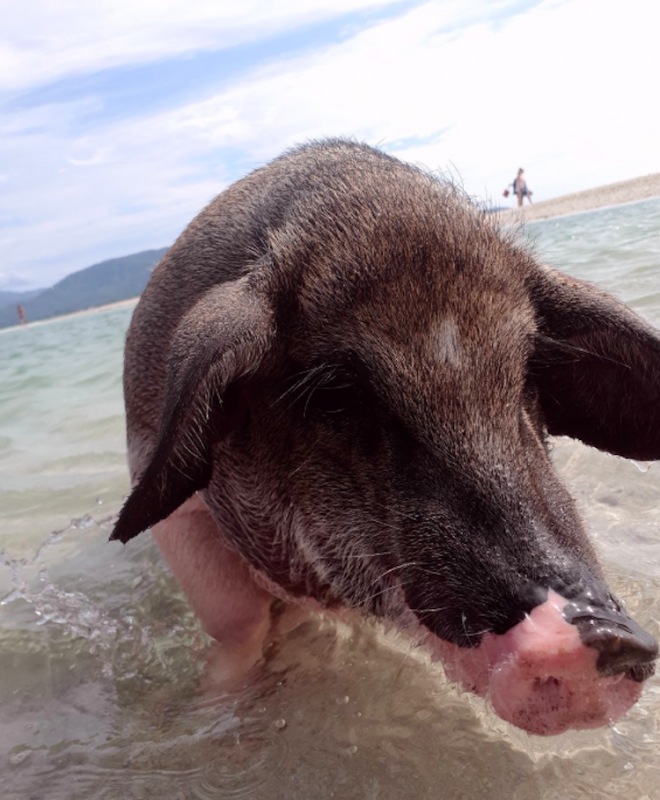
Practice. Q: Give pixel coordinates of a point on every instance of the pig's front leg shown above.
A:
(230, 605)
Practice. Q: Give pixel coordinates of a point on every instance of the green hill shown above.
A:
(107, 282)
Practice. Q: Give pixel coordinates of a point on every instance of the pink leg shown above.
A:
(217, 582)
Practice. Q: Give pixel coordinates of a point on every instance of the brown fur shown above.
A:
(359, 372)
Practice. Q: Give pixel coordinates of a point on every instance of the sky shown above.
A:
(121, 119)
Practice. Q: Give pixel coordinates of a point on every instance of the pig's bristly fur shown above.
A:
(358, 372)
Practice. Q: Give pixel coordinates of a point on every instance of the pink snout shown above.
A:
(541, 677)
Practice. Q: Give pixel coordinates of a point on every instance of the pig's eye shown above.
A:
(334, 391)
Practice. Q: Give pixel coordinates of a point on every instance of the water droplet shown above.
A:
(280, 724)
(342, 701)
(352, 749)
(99, 501)
(628, 766)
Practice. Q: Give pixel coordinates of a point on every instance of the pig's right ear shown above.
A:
(221, 339)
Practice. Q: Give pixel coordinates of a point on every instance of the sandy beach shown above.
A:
(614, 194)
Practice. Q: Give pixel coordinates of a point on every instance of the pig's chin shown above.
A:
(540, 676)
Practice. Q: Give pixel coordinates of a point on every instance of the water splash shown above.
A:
(119, 634)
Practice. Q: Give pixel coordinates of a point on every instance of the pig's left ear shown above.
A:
(224, 337)
(597, 368)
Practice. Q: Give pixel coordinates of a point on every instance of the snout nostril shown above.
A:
(546, 683)
(622, 650)
(623, 647)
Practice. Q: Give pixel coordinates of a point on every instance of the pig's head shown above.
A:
(369, 422)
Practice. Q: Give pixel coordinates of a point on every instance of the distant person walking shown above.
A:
(21, 314)
(520, 187)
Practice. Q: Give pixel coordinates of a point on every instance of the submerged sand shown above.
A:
(614, 194)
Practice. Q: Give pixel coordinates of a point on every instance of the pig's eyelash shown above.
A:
(332, 380)
(324, 377)
(306, 374)
(299, 385)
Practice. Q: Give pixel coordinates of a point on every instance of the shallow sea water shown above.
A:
(106, 681)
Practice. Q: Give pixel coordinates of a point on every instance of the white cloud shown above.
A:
(101, 156)
(396, 80)
(97, 197)
(565, 89)
(42, 41)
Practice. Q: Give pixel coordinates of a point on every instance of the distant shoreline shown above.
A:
(82, 312)
(613, 194)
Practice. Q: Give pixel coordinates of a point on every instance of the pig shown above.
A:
(340, 385)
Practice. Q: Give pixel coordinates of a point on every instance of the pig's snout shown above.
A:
(622, 646)
(565, 665)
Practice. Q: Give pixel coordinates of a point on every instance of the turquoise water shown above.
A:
(106, 682)
(618, 248)
(61, 421)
